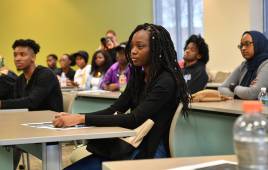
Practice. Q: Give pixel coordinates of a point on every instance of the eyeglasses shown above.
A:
(246, 44)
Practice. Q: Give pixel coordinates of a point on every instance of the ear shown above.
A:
(199, 57)
(34, 58)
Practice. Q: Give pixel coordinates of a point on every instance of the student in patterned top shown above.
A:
(81, 76)
(121, 68)
(101, 62)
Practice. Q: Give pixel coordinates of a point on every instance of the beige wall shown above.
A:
(224, 22)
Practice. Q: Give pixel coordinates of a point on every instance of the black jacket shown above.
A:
(41, 92)
(195, 76)
(7, 83)
(159, 105)
(69, 75)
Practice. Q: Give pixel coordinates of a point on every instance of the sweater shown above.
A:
(159, 105)
(41, 92)
(248, 93)
(195, 76)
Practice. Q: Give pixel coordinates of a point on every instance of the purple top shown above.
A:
(112, 75)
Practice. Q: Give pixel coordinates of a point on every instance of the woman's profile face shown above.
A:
(64, 61)
(100, 59)
(80, 62)
(109, 43)
(140, 48)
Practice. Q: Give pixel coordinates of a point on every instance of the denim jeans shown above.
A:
(93, 162)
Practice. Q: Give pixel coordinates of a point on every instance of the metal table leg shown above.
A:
(51, 156)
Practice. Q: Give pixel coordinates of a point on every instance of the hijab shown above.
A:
(260, 43)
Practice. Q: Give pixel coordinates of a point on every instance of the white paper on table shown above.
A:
(49, 125)
(203, 165)
(98, 91)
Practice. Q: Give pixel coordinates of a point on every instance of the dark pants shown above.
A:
(93, 162)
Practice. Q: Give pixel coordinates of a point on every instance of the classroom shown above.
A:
(144, 84)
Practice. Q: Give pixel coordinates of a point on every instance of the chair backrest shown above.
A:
(172, 130)
(68, 99)
(202, 133)
(221, 76)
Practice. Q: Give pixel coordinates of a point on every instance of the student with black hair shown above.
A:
(154, 91)
(196, 56)
(100, 63)
(65, 67)
(81, 76)
(37, 88)
(250, 76)
(52, 62)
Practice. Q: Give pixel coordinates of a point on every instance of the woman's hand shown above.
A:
(4, 71)
(111, 87)
(71, 83)
(253, 83)
(67, 120)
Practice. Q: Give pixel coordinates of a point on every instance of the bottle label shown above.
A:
(264, 100)
(122, 82)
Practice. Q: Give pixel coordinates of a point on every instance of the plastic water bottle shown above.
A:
(63, 80)
(251, 137)
(122, 82)
(263, 96)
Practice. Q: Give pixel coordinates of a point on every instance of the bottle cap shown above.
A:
(263, 89)
(252, 106)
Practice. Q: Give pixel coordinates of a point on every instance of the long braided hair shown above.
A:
(163, 57)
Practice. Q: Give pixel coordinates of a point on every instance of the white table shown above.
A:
(229, 106)
(13, 133)
(160, 164)
(91, 101)
(99, 94)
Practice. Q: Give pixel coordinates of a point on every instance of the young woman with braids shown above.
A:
(155, 89)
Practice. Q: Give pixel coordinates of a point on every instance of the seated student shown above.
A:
(37, 88)
(247, 79)
(108, 45)
(81, 76)
(153, 92)
(110, 80)
(101, 62)
(112, 35)
(52, 62)
(196, 56)
(65, 67)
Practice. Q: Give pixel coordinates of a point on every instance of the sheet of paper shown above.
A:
(93, 92)
(49, 125)
(203, 165)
